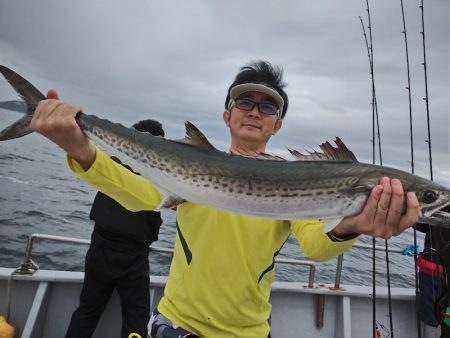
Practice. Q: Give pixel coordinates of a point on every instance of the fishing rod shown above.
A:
(375, 118)
(442, 303)
(374, 96)
(408, 87)
(373, 161)
(426, 91)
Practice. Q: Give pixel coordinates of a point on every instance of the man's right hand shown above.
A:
(55, 120)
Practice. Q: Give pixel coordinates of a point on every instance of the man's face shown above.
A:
(252, 126)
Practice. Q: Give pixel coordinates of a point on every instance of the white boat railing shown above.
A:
(340, 259)
(29, 267)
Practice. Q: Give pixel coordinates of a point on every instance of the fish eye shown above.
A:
(429, 196)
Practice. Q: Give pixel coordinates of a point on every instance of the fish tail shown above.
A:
(30, 95)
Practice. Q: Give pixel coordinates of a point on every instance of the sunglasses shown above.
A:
(266, 108)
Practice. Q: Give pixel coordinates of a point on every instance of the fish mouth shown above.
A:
(427, 212)
(436, 216)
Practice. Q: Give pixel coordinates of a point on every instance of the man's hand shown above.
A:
(383, 215)
(55, 120)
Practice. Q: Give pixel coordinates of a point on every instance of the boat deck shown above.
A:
(41, 306)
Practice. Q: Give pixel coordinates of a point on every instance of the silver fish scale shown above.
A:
(249, 188)
(256, 187)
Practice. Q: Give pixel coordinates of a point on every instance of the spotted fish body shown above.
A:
(258, 187)
(193, 170)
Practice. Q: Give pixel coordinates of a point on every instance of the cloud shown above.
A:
(175, 60)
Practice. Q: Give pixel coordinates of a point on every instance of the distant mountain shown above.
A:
(17, 106)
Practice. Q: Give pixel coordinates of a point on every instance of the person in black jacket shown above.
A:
(431, 278)
(118, 259)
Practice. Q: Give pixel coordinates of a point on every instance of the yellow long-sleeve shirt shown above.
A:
(223, 265)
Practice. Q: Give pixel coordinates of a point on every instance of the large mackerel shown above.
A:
(192, 169)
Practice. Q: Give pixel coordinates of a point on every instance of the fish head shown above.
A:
(434, 201)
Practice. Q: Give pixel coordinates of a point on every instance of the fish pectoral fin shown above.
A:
(195, 137)
(330, 223)
(170, 202)
(360, 188)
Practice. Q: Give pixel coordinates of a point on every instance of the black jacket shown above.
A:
(115, 223)
(431, 243)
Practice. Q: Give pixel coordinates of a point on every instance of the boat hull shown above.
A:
(42, 304)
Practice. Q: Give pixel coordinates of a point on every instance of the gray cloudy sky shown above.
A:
(174, 60)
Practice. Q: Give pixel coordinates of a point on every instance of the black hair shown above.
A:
(264, 73)
(151, 126)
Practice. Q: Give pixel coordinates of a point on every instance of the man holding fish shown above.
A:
(223, 265)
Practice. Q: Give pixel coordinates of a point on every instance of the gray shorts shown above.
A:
(161, 327)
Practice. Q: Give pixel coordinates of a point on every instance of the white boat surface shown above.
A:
(40, 304)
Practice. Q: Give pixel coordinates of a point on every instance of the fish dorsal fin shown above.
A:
(271, 157)
(329, 153)
(310, 156)
(195, 137)
(261, 156)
